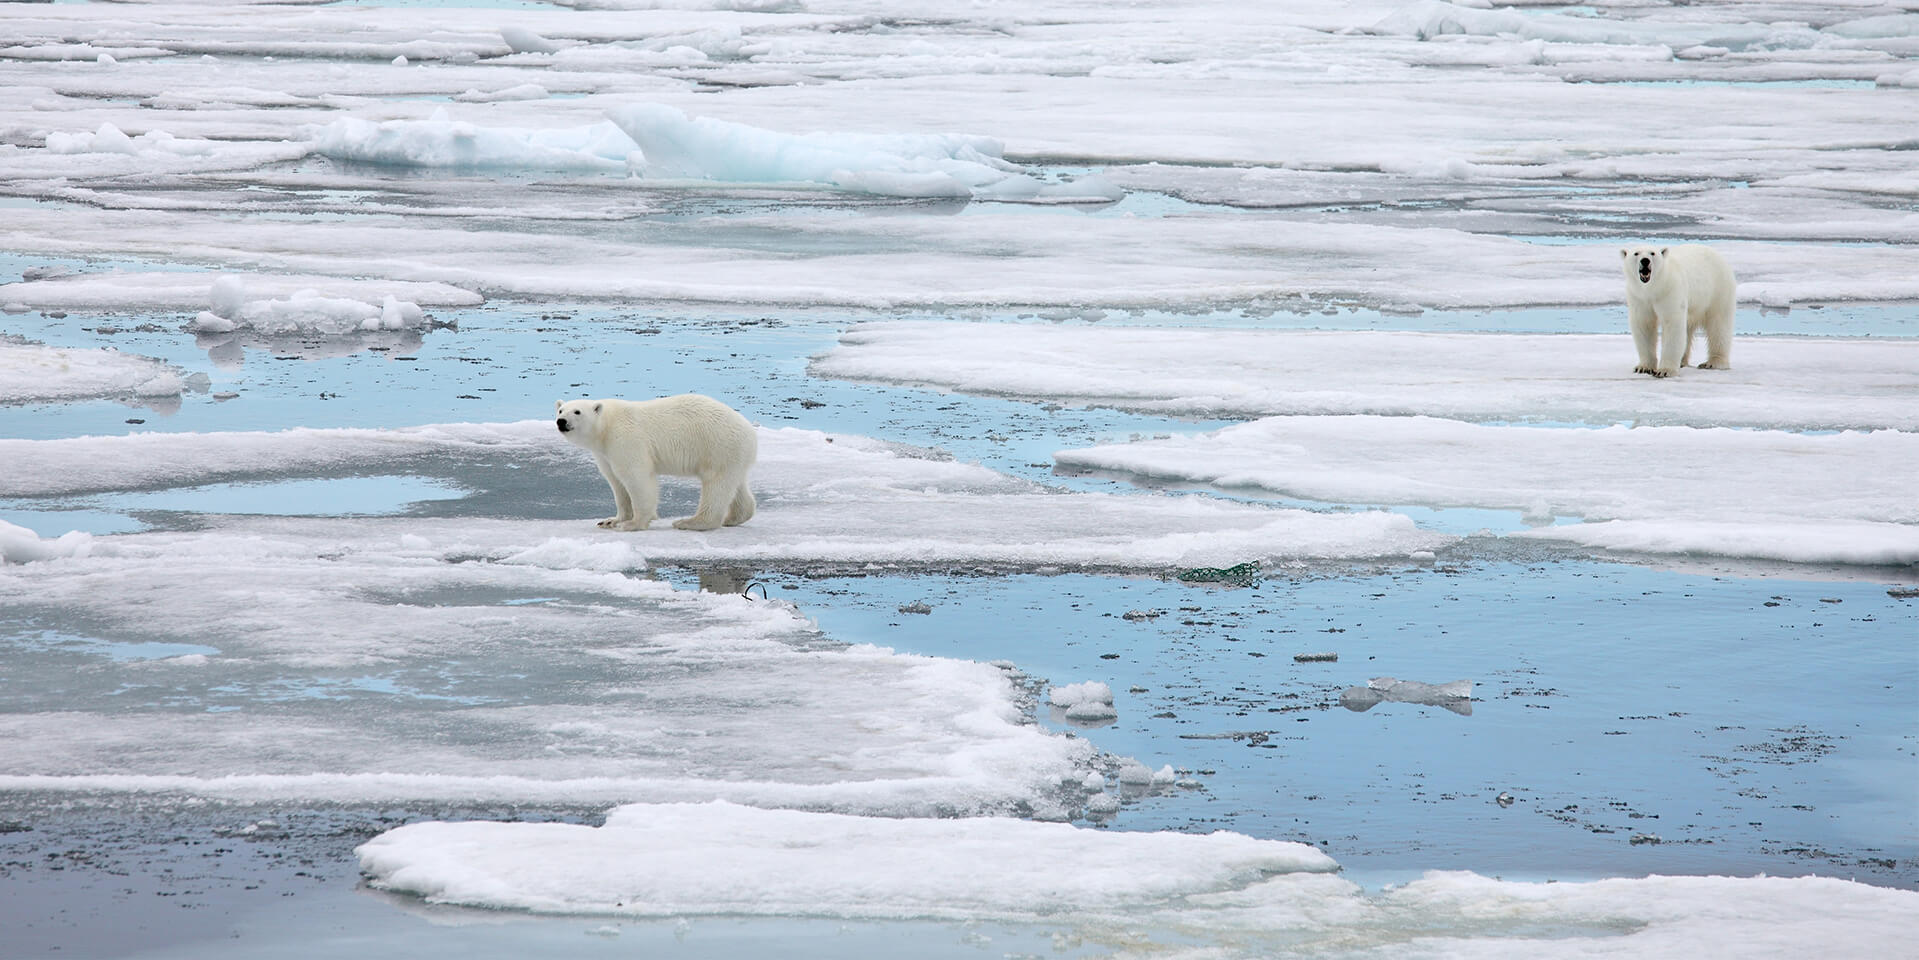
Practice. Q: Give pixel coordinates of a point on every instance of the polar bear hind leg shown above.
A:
(743, 505)
(717, 495)
(1718, 326)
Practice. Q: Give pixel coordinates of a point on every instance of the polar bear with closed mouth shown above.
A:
(689, 435)
(1671, 293)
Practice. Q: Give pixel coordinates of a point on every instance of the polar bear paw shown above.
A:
(629, 526)
(1721, 365)
(610, 522)
(693, 523)
(1642, 368)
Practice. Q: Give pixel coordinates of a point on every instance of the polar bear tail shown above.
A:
(742, 507)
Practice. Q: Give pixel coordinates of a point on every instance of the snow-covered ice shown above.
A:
(1679, 478)
(1781, 382)
(718, 858)
(1214, 895)
(31, 372)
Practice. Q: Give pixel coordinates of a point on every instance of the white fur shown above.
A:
(634, 442)
(1671, 293)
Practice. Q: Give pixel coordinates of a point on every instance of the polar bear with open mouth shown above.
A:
(689, 435)
(1671, 293)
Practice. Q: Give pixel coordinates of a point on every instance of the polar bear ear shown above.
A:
(559, 405)
(596, 408)
(1662, 250)
(1623, 254)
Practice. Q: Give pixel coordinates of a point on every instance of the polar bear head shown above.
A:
(1643, 263)
(578, 420)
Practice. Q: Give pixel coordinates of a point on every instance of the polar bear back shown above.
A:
(688, 435)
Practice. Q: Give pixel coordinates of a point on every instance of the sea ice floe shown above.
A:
(664, 860)
(1218, 895)
(1792, 383)
(376, 675)
(32, 372)
(1765, 494)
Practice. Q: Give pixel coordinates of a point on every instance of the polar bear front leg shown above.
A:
(1672, 340)
(1645, 335)
(635, 473)
(622, 504)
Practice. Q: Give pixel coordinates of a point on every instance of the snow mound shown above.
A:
(674, 145)
(108, 139)
(20, 545)
(305, 312)
(659, 860)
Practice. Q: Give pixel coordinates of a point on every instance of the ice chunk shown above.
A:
(522, 40)
(305, 312)
(21, 545)
(442, 142)
(1455, 696)
(1089, 691)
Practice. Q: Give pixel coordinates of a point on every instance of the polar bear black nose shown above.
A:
(562, 423)
(1645, 263)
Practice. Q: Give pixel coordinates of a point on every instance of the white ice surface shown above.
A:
(176, 290)
(718, 858)
(1218, 896)
(1358, 159)
(824, 498)
(1822, 498)
(379, 670)
(1795, 383)
(31, 372)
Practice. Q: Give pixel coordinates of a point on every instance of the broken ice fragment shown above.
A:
(1455, 696)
